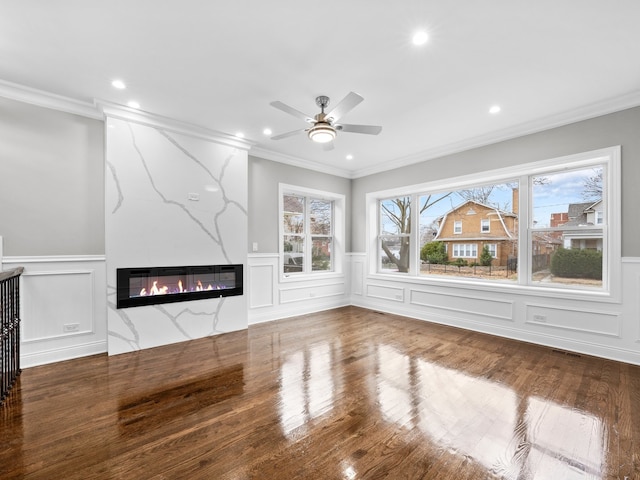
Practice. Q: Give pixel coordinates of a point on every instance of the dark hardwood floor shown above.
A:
(345, 394)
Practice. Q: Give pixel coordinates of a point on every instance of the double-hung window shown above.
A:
(311, 230)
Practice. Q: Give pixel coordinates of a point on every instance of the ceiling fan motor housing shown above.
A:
(322, 101)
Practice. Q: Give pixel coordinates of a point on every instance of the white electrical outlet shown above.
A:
(71, 327)
(540, 318)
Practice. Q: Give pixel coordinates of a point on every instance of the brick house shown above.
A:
(466, 229)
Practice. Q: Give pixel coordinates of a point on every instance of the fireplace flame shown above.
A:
(164, 289)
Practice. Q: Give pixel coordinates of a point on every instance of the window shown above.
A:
(311, 230)
(572, 252)
(599, 218)
(394, 236)
(514, 212)
(465, 250)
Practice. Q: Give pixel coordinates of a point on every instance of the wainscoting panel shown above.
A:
(385, 292)
(261, 286)
(306, 292)
(63, 307)
(57, 304)
(357, 273)
(574, 319)
(464, 304)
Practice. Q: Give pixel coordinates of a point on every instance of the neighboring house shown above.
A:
(466, 229)
(584, 216)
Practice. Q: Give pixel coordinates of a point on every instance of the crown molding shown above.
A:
(41, 98)
(298, 162)
(585, 112)
(122, 112)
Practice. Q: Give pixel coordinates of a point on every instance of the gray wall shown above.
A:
(621, 128)
(264, 177)
(51, 182)
(52, 179)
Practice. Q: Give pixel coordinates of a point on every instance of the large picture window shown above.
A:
(548, 224)
(311, 230)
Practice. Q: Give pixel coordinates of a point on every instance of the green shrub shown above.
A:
(433, 252)
(459, 262)
(576, 263)
(485, 257)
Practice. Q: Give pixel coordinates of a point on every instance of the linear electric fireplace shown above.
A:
(153, 285)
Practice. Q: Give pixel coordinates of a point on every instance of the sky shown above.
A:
(551, 194)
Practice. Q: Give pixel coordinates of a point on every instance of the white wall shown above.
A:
(154, 173)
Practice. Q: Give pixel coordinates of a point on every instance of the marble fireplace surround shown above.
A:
(174, 195)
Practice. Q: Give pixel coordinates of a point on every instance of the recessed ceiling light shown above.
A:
(349, 157)
(119, 84)
(267, 131)
(420, 38)
(495, 109)
(133, 104)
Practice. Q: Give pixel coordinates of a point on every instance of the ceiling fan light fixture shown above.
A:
(322, 133)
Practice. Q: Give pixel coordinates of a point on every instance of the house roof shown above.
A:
(482, 205)
(577, 212)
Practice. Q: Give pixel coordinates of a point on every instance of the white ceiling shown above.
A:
(219, 65)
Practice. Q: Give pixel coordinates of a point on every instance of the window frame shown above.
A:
(337, 228)
(457, 227)
(609, 158)
(483, 222)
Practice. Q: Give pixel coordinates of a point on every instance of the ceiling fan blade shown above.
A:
(347, 104)
(287, 135)
(292, 111)
(368, 129)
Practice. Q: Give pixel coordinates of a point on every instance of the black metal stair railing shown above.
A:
(9, 330)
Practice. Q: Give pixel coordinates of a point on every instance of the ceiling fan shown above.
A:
(324, 126)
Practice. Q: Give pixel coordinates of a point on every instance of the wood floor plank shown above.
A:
(344, 394)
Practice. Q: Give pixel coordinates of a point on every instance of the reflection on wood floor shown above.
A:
(344, 394)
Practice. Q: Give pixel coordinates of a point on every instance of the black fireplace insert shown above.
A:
(154, 285)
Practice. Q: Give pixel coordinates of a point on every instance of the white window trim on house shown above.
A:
(610, 157)
(338, 228)
(485, 222)
(457, 227)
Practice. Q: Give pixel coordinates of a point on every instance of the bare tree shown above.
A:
(478, 194)
(593, 186)
(398, 211)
